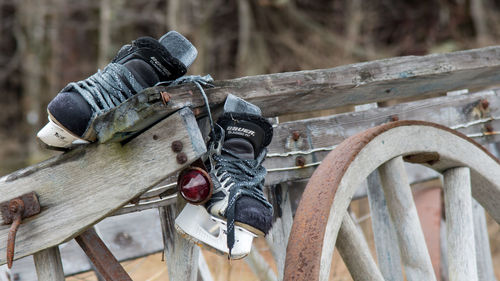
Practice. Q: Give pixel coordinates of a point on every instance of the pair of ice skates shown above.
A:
(237, 211)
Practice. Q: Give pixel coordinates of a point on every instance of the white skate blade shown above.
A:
(55, 136)
(197, 225)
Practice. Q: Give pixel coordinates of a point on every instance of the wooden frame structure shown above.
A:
(114, 173)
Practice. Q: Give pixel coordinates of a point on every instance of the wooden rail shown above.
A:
(361, 83)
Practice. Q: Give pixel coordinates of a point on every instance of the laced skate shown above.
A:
(237, 209)
(137, 66)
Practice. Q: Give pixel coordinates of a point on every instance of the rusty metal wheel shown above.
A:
(321, 220)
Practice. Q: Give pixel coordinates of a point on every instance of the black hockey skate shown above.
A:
(238, 209)
(137, 66)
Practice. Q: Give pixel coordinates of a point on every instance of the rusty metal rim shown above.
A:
(304, 251)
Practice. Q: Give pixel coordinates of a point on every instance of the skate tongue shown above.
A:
(240, 147)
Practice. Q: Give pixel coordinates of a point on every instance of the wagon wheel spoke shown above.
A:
(413, 249)
(355, 252)
(386, 248)
(459, 225)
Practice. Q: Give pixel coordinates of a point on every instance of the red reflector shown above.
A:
(195, 185)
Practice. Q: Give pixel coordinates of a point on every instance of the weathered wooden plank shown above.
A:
(356, 253)
(483, 251)
(386, 245)
(81, 187)
(459, 225)
(277, 238)
(404, 216)
(318, 136)
(48, 265)
(181, 255)
(353, 84)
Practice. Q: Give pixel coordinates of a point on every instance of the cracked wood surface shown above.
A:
(81, 187)
(290, 92)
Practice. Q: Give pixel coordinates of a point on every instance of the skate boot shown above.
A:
(237, 209)
(137, 66)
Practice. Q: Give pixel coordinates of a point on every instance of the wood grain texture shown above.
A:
(335, 181)
(319, 135)
(181, 255)
(360, 83)
(459, 225)
(386, 246)
(485, 269)
(277, 238)
(403, 212)
(81, 187)
(48, 265)
(355, 252)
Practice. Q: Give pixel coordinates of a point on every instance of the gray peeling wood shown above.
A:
(465, 113)
(360, 83)
(81, 187)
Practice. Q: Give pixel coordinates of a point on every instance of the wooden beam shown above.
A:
(182, 256)
(48, 265)
(459, 225)
(386, 245)
(81, 187)
(355, 252)
(360, 83)
(277, 238)
(404, 216)
(318, 136)
(485, 269)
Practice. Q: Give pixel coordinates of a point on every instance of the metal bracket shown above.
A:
(13, 212)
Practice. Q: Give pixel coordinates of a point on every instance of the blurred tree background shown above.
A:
(44, 44)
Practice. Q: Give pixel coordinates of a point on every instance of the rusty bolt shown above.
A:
(181, 158)
(488, 128)
(300, 161)
(485, 104)
(295, 135)
(17, 277)
(165, 97)
(177, 146)
(16, 205)
(394, 118)
(135, 200)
